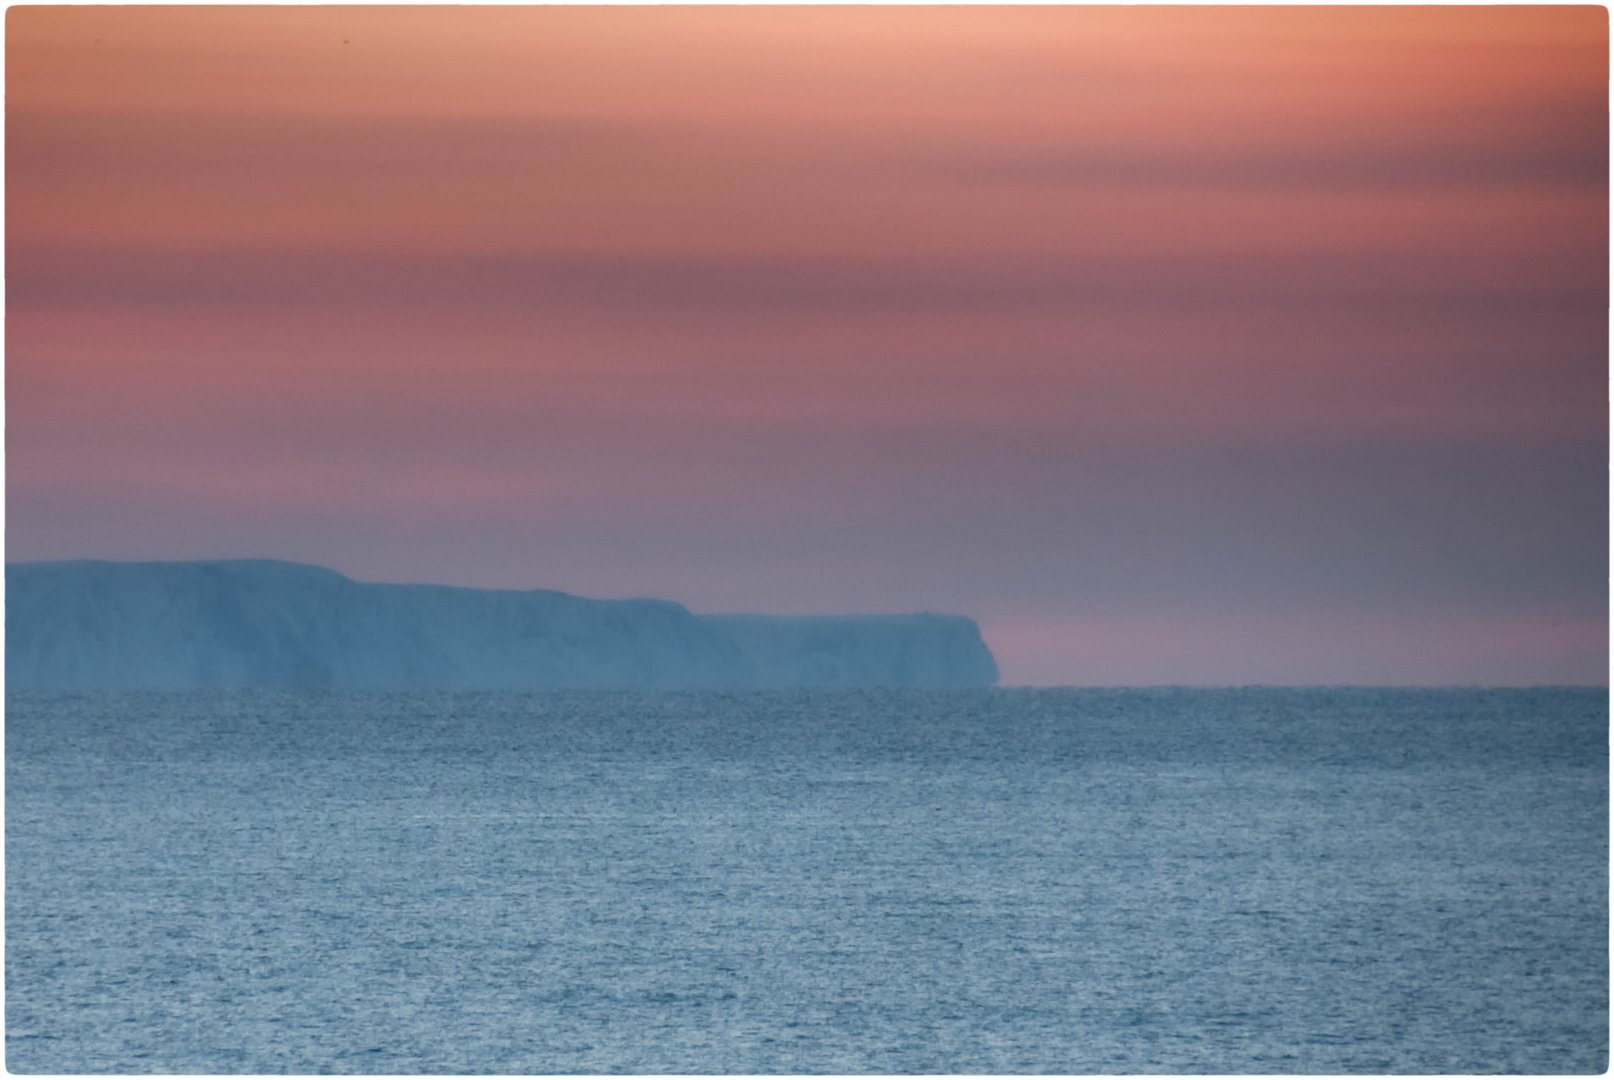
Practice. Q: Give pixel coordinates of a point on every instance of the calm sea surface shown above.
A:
(950, 882)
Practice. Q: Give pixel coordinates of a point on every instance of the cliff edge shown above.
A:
(261, 623)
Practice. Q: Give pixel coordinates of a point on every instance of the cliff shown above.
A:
(860, 650)
(260, 623)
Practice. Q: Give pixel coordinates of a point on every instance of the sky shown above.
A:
(1176, 345)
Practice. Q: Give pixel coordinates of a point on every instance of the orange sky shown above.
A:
(1194, 318)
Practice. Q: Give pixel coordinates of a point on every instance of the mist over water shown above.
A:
(904, 881)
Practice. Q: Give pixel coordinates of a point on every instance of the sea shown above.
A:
(994, 881)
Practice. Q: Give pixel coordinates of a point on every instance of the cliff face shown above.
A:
(861, 650)
(254, 623)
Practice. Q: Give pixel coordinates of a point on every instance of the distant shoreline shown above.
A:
(257, 623)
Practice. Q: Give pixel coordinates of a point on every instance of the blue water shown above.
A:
(946, 882)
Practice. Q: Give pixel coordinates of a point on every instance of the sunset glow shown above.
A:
(1202, 345)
